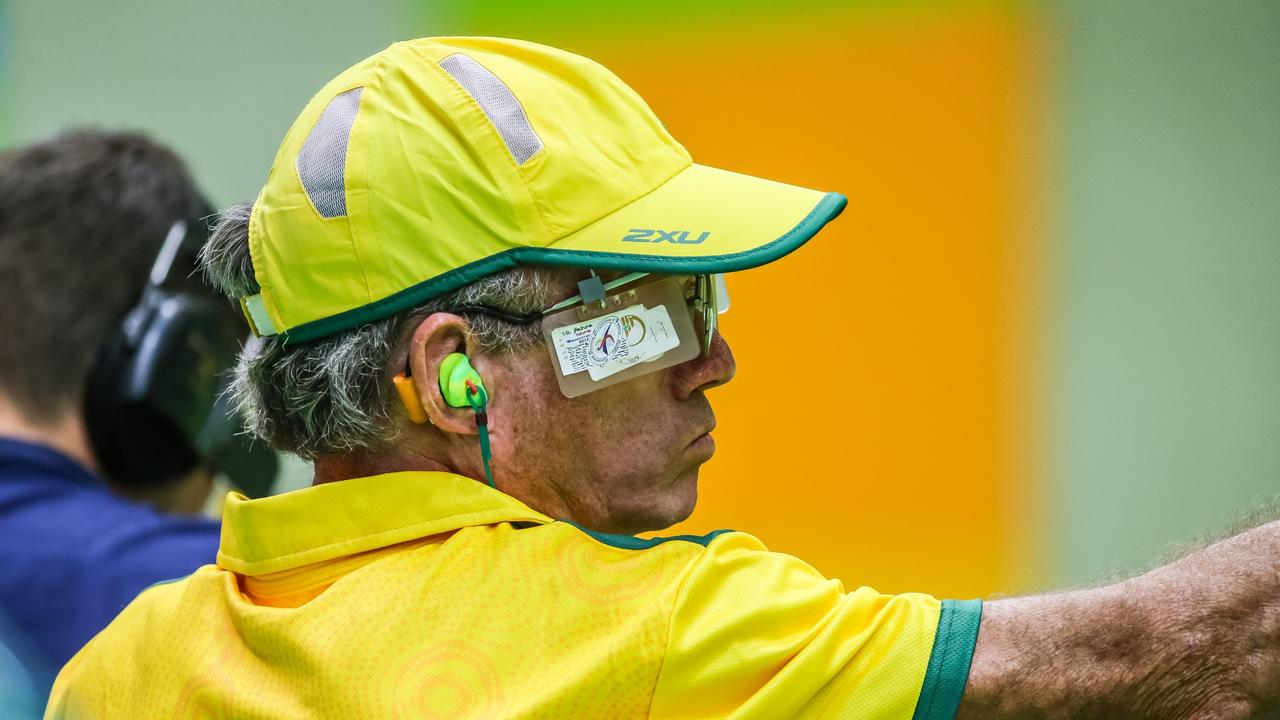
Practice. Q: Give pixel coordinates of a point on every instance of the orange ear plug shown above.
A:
(409, 397)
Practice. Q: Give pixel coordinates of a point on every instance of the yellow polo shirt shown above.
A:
(430, 595)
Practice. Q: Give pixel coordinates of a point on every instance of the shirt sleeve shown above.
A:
(756, 634)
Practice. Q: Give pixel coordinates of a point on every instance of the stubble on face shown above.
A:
(623, 459)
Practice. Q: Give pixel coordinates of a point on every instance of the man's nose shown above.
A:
(704, 373)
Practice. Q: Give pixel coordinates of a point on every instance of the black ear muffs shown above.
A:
(153, 402)
(151, 393)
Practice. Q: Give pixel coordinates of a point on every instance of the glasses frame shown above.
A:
(704, 306)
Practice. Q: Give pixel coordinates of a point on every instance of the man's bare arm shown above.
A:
(1198, 639)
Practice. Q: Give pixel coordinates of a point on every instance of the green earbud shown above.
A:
(457, 378)
(455, 371)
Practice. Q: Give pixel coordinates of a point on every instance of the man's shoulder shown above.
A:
(162, 598)
(165, 624)
(163, 609)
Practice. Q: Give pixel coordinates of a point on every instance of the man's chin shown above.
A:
(676, 506)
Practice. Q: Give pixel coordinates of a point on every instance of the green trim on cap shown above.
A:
(827, 209)
(948, 669)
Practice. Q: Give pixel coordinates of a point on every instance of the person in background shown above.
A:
(105, 369)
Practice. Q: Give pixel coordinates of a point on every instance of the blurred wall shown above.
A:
(1164, 414)
(219, 81)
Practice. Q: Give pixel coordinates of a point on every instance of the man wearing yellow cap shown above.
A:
(485, 281)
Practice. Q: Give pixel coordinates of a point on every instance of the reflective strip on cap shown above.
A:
(498, 104)
(322, 159)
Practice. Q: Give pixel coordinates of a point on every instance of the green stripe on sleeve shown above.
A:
(948, 671)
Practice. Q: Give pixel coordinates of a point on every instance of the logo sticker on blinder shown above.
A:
(612, 343)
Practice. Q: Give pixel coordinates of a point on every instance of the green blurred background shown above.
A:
(1140, 396)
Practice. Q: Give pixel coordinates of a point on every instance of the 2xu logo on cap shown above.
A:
(680, 237)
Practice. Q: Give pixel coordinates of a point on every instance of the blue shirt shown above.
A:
(74, 554)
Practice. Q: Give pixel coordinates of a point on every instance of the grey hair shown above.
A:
(334, 395)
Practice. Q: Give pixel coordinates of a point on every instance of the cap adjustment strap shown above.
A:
(255, 311)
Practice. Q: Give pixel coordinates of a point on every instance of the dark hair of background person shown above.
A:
(82, 217)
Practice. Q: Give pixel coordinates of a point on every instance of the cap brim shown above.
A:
(702, 220)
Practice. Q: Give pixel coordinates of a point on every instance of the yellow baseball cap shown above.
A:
(440, 160)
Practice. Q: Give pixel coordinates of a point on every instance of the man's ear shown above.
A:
(438, 335)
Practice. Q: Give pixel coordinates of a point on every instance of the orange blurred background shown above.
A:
(872, 427)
